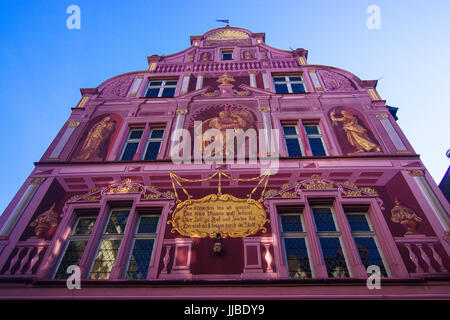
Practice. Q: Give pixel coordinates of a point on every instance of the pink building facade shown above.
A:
(346, 192)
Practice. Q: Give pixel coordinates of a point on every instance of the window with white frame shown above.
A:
(365, 239)
(142, 247)
(227, 55)
(132, 144)
(315, 139)
(289, 84)
(330, 242)
(76, 245)
(109, 246)
(295, 244)
(161, 88)
(292, 140)
(154, 143)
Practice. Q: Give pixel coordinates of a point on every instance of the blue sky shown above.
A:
(43, 64)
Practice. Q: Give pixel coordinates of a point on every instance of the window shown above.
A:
(154, 142)
(142, 248)
(295, 246)
(292, 140)
(330, 242)
(288, 84)
(109, 246)
(227, 55)
(75, 245)
(161, 89)
(314, 137)
(365, 240)
(132, 144)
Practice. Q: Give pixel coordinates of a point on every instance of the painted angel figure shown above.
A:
(228, 120)
(356, 134)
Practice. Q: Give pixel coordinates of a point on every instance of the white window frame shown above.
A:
(144, 236)
(295, 234)
(287, 81)
(132, 140)
(150, 139)
(104, 236)
(291, 136)
(319, 135)
(161, 87)
(331, 234)
(226, 51)
(367, 234)
(74, 237)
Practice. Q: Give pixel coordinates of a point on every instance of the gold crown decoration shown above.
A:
(227, 34)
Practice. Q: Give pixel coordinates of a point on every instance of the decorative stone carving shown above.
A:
(406, 217)
(117, 88)
(44, 222)
(227, 34)
(317, 184)
(416, 173)
(334, 81)
(126, 186)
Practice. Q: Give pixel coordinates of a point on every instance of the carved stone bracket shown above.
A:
(416, 173)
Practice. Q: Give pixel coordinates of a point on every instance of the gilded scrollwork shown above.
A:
(317, 183)
(416, 172)
(125, 187)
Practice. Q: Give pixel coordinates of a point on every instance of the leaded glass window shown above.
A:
(369, 254)
(358, 222)
(291, 223)
(330, 242)
(323, 217)
(297, 258)
(288, 84)
(141, 252)
(161, 89)
(292, 140)
(109, 246)
(154, 142)
(333, 256)
(315, 140)
(132, 144)
(76, 245)
(365, 240)
(295, 246)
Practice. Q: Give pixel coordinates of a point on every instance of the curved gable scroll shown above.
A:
(334, 81)
(117, 87)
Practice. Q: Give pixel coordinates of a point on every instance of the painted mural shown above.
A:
(358, 137)
(95, 144)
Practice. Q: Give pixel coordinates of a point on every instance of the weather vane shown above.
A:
(224, 21)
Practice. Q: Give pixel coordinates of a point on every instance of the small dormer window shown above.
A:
(227, 55)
